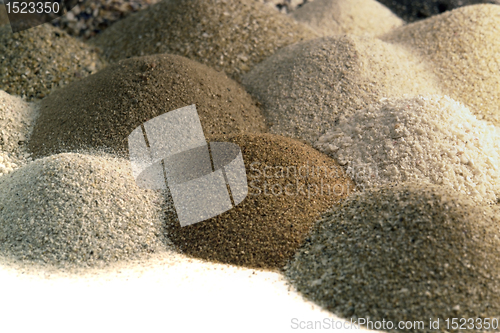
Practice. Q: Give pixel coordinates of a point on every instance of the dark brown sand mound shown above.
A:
(229, 35)
(408, 252)
(463, 46)
(36, 61)
(103, 109)
(290, 183)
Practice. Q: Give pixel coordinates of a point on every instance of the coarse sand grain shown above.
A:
(430, 139)
(77, 210)
(34, 62)
(463, 45)
(289, 182)
(357, 17)
(101, 110)
(304, 86)
(16, 123)
(409, 252)
(229, 35)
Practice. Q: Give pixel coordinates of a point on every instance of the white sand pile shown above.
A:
(304, 86)
(358, 17)
(463, 45)
(16, 124)
(228, 35)
(77, 210)
(424, 139)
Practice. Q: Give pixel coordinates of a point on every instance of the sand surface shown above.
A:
(169, 294)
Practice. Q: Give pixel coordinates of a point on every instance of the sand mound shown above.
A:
(229, 35)
(463, 46)
(358, 17)
(304, 86)
(289, 185)
(409, 252)
(16, 123)
(73, 209)
(37, 60)
(101, 110)
(424, 139)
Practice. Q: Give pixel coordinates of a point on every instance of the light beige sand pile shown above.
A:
(16, 123)
(429, 139)
(304, 86)
(358, 17)
(77, 210)
(228, 35)
(463, 46)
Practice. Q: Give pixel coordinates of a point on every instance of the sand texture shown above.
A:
(100, 111)
(463, 47)
(77, 210)
(290, 184)
(230, 35)
(36, 61)
(425, 139)
(406, 251)
(357, 17)
(304, 86)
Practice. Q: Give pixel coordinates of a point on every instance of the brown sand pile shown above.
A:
(409, 252)
(463, 46)
(72, 209)
(290, 183)
(228, 35)
(33, 62)
(304, 86)
(358, 17)
(101, 110)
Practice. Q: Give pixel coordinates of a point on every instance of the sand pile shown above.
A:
(408, 252)
(290, 184)
(16, 123)
(358, 17)
(73, 209)
(229, 35)
(304, 86)
(424, 139)
(35, 61)
(463, 45)
(101, 110)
